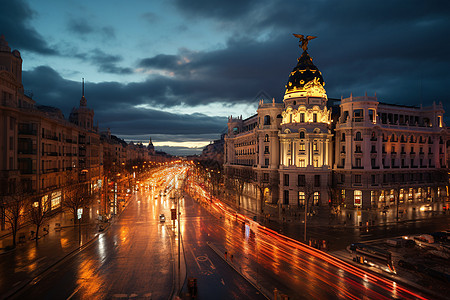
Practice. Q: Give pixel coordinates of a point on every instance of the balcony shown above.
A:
(27, 151)
(27, 131)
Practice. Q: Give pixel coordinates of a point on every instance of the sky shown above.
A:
(175, 70)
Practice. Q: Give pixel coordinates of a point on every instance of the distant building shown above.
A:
(357, 153)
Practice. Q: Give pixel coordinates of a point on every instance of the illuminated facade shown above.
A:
(287, 146)
(383, 150)
(361, 156)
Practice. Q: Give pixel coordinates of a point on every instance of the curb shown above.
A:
(261, 289)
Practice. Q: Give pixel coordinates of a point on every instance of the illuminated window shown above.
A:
(301, 147)
(316, 198)
(357, 195)
(301, 198)
(302, 117)
(315, 146)
(314, 117)
(302, 163)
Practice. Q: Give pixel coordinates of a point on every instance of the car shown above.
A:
(162, 218)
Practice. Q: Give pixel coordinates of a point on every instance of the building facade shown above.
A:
(360, 153)
(384, 151)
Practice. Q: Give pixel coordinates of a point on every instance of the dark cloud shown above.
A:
(83, 27)
(80, 26)
(231, 9)
(106, 63)
(114, 106)
(16, 24)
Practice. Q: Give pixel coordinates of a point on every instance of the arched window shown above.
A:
(266, 138)
(373, 136)
(302, 134)
(267, 120)
(317, 130)
(358, 136)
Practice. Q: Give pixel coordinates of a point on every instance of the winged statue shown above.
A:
(304, 41)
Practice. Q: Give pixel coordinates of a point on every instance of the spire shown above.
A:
(83, 101)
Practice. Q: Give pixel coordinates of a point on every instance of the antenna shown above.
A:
(83, 88)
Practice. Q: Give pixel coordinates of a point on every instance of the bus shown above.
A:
(373, 256)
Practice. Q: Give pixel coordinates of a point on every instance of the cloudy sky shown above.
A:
(175, 70)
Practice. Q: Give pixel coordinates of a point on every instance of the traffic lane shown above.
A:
(131, 258)
(215, 278)
(336, 280)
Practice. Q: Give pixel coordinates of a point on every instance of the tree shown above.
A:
(238, 178)
(262, 183)
(309, 191)
(76, 196)
(39, 211)
(14, 206)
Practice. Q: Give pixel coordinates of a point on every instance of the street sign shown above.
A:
(79, 213)
(173, 212)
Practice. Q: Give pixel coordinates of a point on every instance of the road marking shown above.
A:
(74, 292)
(16, 283)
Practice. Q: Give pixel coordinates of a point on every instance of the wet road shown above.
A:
(134, 258)
(293, 268)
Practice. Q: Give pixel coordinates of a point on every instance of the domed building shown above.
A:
(357, 152)
(285, 146)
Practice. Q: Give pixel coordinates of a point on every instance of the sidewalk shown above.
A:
(31, 259)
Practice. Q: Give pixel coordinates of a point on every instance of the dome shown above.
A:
(303, 76)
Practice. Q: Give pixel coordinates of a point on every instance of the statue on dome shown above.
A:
(304, 41)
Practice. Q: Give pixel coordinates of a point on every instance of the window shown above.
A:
(358, 136)
(302, 134)
(357, 195)
(11, 143)
(301, 198)
(316, 162)
(286, 197)
(373, 150)
(358, 178)
(358, 115)
(315, 146)
(358, 149)
(267, 120)
(372, 115)
(302, 117)
(316, 198)
(266, 162)
(316, 180)
(373, 179)
(266, 150)
(302, 163)
(373, 162)
(301, 180)
(343, 137)
(286, 179)
(314, 117)
(393, 149)
(290, 118)
(343, 149)
(358, 162)
(301, 147)
(266, 138)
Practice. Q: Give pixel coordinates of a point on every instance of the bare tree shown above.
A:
(15, 205)
(262, 183)
(76, 196)
(309, 191)
(238, 178)
(38, 211)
